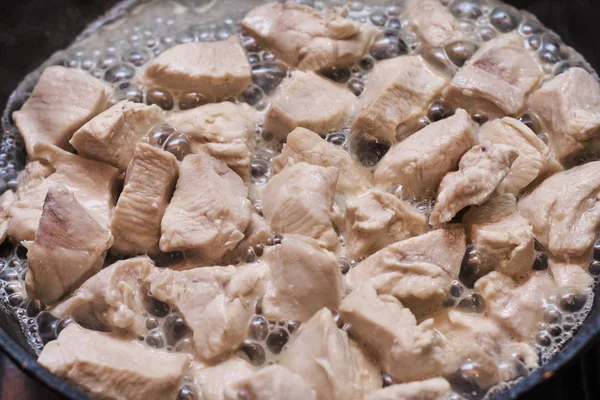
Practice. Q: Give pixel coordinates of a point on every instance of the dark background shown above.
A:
(31, 30)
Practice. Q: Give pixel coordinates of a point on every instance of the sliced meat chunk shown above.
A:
(391, 333)
(569, 108)
(299, 200)
(332, 365)
(571, 275)
(216, 69)
(69, 247)
(398, 91)
(149, 185)
(564, 210)
(214, 380)
(209, 211)
(419, 162)
(431, 389)
(61, 102)
(498, 230)
(111, 136)
(110, 368)
(306, 146)
(433, 22)
(516, 307)
(378, 219)
(534, 159)
(480, 171)
(496, 79)
(258, 232)
(90, 181)
(417, 271)
(223, 130)
(272, 382)
(309, 101)
(307, 39)
(6, 201)
(215, 302)
(303, 278)
(115, 293)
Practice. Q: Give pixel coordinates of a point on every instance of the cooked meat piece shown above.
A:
(433, 22)
(209, 210)
(110, 368)
(309, 101)
(569, 108)
(516, 307)
(419, 162)
(258, 232)
(398, 91)
(223, 130)
(572, 275)
(90, 181)
(6, 201)
(307, 39)
(303, 278)
(69, 247)
(115, 294)
(149, 185)
(272, 382)
(417, 271)
(431, 389)
(216, 69)
(563, 210)
(480, 171)
(498, 230)
(299, 200)
(391, 333)
(62, 101)
(306, 146)
(496, 79)
(214, 380)
(378, 219)
(333, 366)
(534, 159)
(111, 136)
(215, 302)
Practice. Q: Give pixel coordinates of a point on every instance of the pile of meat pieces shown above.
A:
(67, 212)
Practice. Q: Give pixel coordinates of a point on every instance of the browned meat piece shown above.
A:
(330, 364)
(497, 79)
(300, 259)
(506, 238)
(215, 302)
(569, 108)
(209, 211)
(378, 219)
(91, 183)
(309, 101)
(214, 380)
(307, 39)
(433, 22)
(419, 162)
(417, 271)
(223, 130)
(572, 275)
(534, 161)
(391, 333)
(110, 368)
(69, 247)
(62, 101)
(306, 146)
(111, 136)
(149, 185)
(6, 201)
(216, 69)
(480, 171)
(516, 307)
(272, 382)
(299, 200)
(431, 389)
(398, 91)
(563, 210)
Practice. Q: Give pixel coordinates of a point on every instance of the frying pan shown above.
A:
(576, 21)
